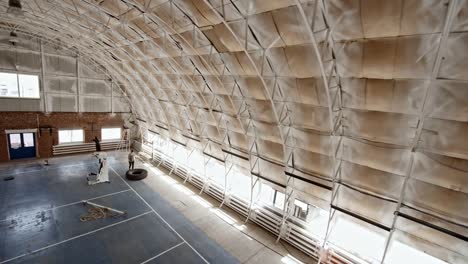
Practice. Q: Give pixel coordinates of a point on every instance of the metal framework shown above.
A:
(184, 67)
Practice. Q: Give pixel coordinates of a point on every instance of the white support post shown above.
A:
(78, 84)
(451, 12)
(112, 96)
(326, 78)
(252, 200)
(161, 142)
(287, 208)
(189, 169)
(44, 94)
(206, 180)
(152, 150)
(253, 161)
(174, 162)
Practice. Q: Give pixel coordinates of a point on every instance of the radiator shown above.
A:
(270, 220)
(86, 147)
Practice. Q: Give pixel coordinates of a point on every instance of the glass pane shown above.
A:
(215, 171)
(266, 194)
(69, 136)
(150, 136)
(196, 162)
(15, 141)
(180, 155)
(110, 133)
(358, 238)
(8, 84)
(279, 201)
(77, 135)
(401, 253)
(301, 204)
(28, 85)
(240, 184)
(28, 139)
(65, 136)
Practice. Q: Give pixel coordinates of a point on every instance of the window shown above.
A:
(150, 137)
(215, 171)
(266, 194)
(359, 238)
(111, 133)
(70, 136)
(19, 85)
(15, 141)
(8, 85)
(240, 183)
(28, 86)
(28, 139)
(197, 162)
(399, 252)
(301, 210)
(180, 154)
(278, 200)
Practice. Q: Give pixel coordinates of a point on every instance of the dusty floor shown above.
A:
(166, 222)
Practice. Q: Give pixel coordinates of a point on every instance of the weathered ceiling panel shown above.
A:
(362, 103)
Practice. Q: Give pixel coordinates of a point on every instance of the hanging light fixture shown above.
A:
(15, 7)
(13, 39)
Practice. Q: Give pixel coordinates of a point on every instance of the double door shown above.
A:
(22, 145)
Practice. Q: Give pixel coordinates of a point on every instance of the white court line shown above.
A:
(73, 238)
(188, 244)
(42, 169)
(165, 251)
(60, 206)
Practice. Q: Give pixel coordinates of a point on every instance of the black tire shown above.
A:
(136, 174)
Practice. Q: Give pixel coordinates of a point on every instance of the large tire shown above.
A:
(136, 174)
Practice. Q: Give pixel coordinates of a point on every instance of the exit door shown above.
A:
(22, 145)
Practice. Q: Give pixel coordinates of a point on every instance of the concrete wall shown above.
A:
(49, 124)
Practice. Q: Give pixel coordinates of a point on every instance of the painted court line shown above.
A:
(75, 237)
(43, 168)
(188, 244)
(162, 253)
(64, 205)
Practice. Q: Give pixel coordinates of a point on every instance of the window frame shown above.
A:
(112, 139)
(275, 195)
(298, 210)
(18, 73)
(71, 142)
(147, 136)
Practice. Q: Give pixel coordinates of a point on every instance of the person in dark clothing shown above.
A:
(131, 160)
(98, 145)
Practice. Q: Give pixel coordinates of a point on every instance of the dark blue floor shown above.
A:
(182, 252)
(44, 228)
(40, 220)
(131, 242)
(208, 248)
(50, 187)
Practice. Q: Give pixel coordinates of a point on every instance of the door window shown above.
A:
(15, 141)
(28, 139)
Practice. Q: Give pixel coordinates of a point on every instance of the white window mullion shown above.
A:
(18, 85)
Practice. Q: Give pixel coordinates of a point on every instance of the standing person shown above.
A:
(98, 145)
(131, 160)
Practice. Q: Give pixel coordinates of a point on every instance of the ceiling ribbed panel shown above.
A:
(356, 107)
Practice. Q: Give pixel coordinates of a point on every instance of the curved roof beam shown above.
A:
(83, 48)
(208, 64)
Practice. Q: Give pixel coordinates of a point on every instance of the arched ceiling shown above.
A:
(179, 58)
(367, 97)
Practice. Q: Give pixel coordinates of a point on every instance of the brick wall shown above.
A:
(49, 124)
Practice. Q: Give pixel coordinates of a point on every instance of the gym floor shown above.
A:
(40, 219)
(167, 221)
